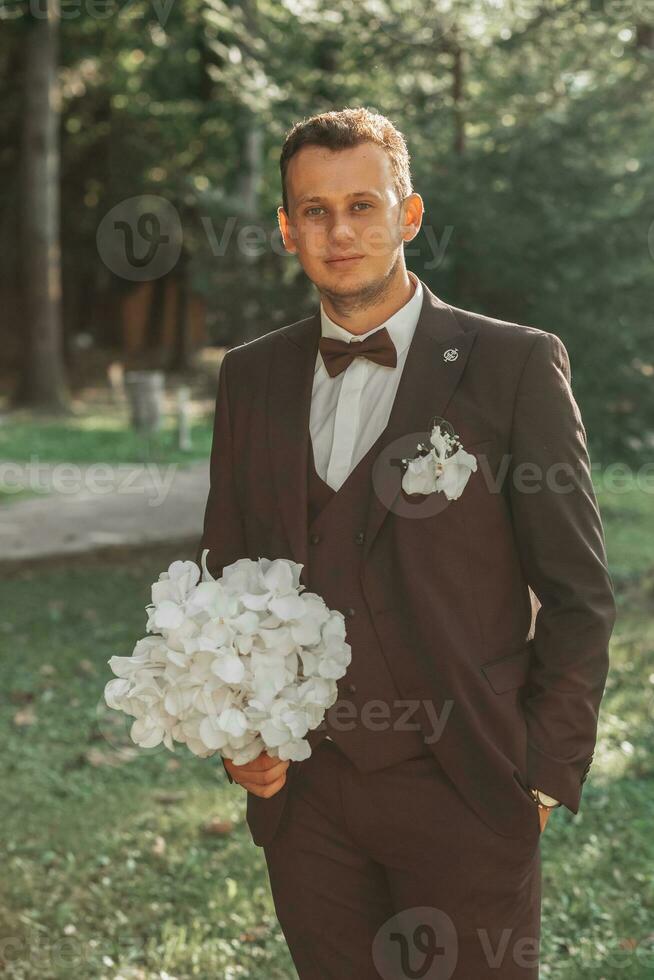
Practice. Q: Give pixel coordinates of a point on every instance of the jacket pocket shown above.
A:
(509, 672)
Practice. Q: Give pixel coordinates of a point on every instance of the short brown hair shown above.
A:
(345, 128)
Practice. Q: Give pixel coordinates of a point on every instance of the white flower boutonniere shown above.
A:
(445, 467)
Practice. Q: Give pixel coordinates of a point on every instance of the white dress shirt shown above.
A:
(350, 411)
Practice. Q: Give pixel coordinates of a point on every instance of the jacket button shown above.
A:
(314, 539)
(350, 611)
(359, 536)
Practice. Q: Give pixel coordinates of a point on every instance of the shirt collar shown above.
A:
(400, 325)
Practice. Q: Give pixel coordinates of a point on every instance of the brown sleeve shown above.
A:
(560, 541)
(223, 532)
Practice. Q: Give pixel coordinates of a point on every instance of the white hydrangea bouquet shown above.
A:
(238, 665)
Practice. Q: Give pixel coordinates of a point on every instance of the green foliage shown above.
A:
(531, 135)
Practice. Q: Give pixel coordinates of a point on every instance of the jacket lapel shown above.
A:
(429, 379)
(289, 406)
(433, 368)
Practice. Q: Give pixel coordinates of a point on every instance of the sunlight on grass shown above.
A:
(628, 517)
(95, 438)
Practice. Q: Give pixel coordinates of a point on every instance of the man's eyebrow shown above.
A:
(317, 197)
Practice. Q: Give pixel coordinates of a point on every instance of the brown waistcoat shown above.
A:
(369, 722)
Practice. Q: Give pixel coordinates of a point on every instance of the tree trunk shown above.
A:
(180, 358)
(43, 383)
(459, 141)
(252, 173)
(156, 314)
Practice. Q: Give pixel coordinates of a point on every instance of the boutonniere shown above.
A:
(445, 466)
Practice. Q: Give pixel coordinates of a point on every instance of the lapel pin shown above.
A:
(451, 354)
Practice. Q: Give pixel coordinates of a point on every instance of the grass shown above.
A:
(8, 496)
(105, 877)
(94, 437)
(628, 516)
(101, 877)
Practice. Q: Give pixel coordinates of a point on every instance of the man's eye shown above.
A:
(316, 208)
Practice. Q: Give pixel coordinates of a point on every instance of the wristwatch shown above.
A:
(544, 801)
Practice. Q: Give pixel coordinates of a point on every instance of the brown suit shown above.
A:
(446, 585)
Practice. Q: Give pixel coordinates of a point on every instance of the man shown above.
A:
(408, 841)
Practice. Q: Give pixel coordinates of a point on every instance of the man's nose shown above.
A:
(341, 231)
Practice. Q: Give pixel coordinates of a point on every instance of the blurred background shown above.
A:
(139, 182)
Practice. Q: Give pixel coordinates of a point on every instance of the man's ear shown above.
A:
(413, 210)
(286, 230)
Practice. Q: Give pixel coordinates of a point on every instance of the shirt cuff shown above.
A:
(548, 800)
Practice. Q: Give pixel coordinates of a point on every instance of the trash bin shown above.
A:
(145, 393)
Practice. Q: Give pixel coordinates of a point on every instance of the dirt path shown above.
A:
(90, 508)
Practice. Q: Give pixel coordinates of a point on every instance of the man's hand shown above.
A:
(543, 812)
(264, 776)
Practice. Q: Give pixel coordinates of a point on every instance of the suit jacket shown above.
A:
(451, 584)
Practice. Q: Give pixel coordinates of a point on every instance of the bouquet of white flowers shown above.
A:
(240, 664)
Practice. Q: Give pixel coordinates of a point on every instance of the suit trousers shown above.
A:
(391, 874)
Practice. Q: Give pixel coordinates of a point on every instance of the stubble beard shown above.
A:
(363, 297)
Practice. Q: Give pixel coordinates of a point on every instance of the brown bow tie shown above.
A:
(338, 354)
